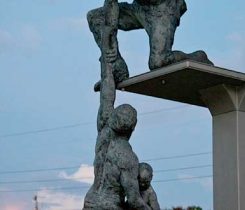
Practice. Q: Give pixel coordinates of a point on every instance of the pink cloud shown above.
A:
(14, 207)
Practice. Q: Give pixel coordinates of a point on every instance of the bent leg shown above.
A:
(161, 38)
(127, 21)
(161, 54)
(160, 23)
(161, 27)
(96, 19)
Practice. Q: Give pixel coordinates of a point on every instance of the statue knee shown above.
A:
(90, 17)
(95, 18)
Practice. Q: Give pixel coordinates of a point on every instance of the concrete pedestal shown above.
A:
(223, 92)
(227, 106)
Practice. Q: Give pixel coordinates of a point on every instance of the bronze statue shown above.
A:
(159, 18)
(120, 181)
(116, 166)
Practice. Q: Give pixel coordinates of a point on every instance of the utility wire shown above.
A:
(53, 189)
(90, 177)
(182, 179)
(74, 167)
(83, 187)
(43, 180)
(81, 124)
(38, 170)
(178, 156)
(46, 130)
(164, 110)
(181, 169)
(64, 209)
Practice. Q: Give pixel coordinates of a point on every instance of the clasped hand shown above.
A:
(110, 55)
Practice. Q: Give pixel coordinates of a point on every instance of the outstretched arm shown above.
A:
(109, 54)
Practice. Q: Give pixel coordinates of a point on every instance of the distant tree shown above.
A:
(194, 208)
(181, 208)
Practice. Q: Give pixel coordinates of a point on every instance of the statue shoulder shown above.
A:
(126, 157)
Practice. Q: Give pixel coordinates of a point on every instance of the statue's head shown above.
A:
(123, 119)
(145, 176)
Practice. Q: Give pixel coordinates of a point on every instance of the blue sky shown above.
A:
(48, 65)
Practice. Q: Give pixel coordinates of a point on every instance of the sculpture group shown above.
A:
(121, 182)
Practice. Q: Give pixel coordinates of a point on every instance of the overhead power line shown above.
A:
(81, 124)
(43, 180)
(77, 166)
(39, 170)
(51, 189)
(181, 169)
(45, 130)
(178, 156)
(182, 179)
(83, 187)
(164, 110)
(90, 177)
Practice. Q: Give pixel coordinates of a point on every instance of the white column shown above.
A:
(227, 106)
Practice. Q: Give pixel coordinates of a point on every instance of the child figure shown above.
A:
(147, 192)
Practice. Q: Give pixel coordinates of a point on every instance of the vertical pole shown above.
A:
(227, 106)
(36, 202)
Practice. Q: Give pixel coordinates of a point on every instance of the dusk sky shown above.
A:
(48, 66)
